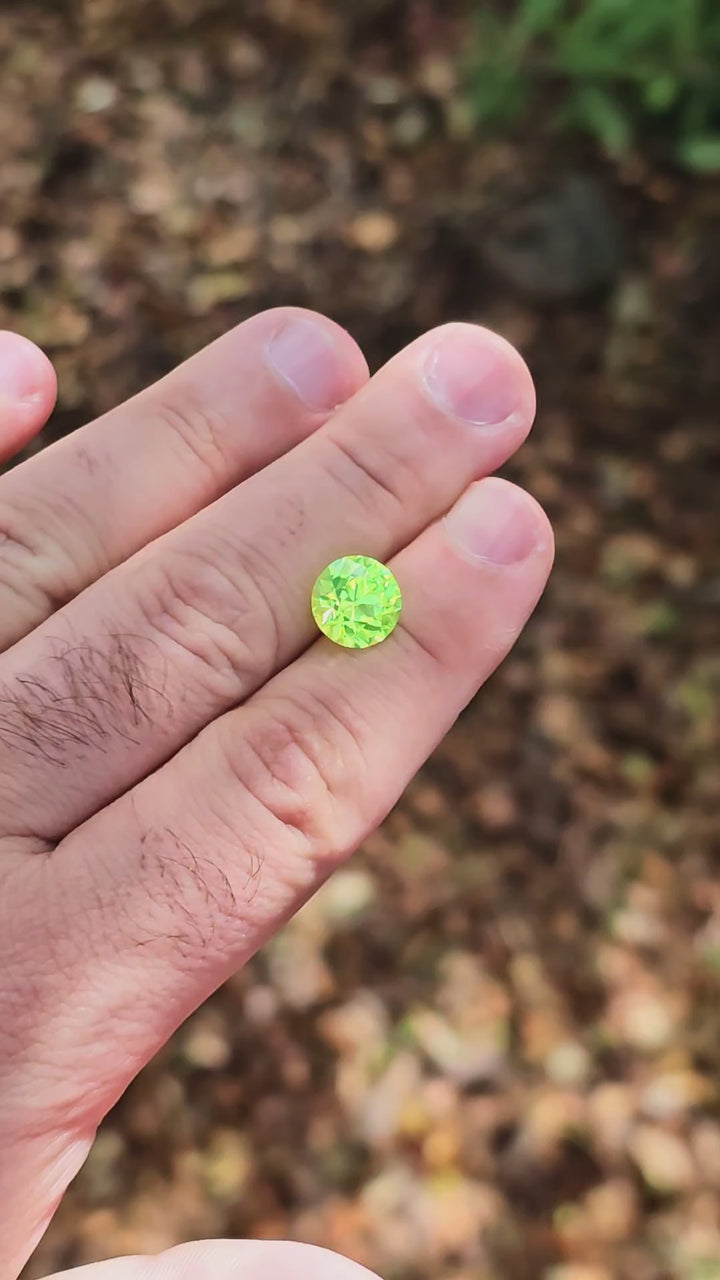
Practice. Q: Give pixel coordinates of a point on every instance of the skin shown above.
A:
(183, 761)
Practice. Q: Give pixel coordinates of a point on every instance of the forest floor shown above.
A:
(490, 1048)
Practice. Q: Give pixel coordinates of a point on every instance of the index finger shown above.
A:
(89, 501)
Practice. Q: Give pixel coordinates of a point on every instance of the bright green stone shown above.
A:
(356, 602)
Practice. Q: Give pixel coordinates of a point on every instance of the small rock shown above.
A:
(383, 1104)
(205, 1043)
(248, 121)
(358, 1028)
(226, 1165)
(245, 56)
(10, 244)
(456, 1210)
(393, 1202)
(57, 325)
(705, 1140)
(642, 1019)
(494, 806)
(96, 93)
(288, 231)
(428, 800)
(383, 91)
(152, 193)
(437, 76)
(234, 244)
(433, 1108)
(635, 927)
(297, 969)
(346, 896)
(611, 1108)
(410, 127)
(568, 1063)
(560, 719)
(212, 288)
(467, 1055)
(612, 1209)
(674, 1093)
(663, 1160)
(261, 1004)
(442, 1147)
(633, 303)
(373, 232)
(629, 556)
(550, 1117)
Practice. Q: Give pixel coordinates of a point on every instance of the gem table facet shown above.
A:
(356, 602)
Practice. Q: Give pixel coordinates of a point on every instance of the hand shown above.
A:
(182, 759)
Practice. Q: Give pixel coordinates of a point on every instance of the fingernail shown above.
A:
(304, 357)
(495, 522)
(21, 369)
(474, 378)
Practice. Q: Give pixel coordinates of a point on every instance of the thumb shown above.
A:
(227, 1260)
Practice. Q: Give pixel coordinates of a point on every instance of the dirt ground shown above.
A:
(490, 1048)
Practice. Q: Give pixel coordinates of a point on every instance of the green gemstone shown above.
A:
(356, 602)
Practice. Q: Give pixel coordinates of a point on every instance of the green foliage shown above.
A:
(615, 69)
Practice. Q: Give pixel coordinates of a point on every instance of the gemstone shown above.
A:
(356, 602)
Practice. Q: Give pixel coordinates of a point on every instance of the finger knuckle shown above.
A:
(206, 608)
(377, 484)
(199, 430)
(301, 760)
(33, 578)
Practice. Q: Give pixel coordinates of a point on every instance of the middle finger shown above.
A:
(123, 676)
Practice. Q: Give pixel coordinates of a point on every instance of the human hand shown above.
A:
(182, 760)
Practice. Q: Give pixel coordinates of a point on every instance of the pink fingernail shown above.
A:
(21, 369)
(303, 355)
(474, 377)
(494, 521)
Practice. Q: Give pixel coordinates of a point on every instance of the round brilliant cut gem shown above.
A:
(356, 602)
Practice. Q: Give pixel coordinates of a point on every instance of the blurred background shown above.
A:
(490, 1048)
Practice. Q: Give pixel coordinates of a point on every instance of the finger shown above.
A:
(139, 663)
(88, 502)
(227, 1260)
(157, 899)
(28, 387)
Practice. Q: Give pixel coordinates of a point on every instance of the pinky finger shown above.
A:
(28, 387)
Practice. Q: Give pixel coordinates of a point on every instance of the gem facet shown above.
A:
(356, 602)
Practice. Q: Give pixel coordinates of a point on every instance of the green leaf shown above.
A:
(498, 95)
(602, 116)
(619, 65)
(539, 16)
(701, 153)
(661, 92)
